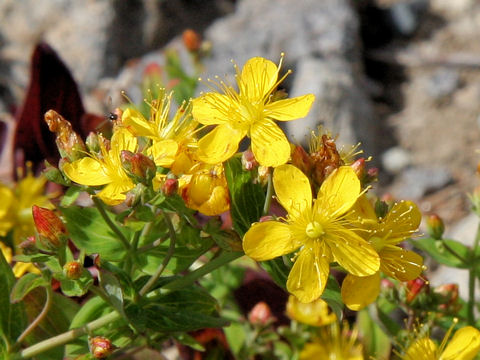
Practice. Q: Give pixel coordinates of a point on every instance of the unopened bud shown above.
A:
(248, 160)
(28, 246)
(192, 40)
(415, 287)
(170, 187)
(435, 226)
(139, 166)
(54, 175)
(73, 270)
(448, 296)
(372, 173)
(69, 143)
(359, 168)
(93, 143)
(260, 314)
(50, 227)
(100, 347)
(266, 218)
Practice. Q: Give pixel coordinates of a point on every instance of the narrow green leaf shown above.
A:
(89, 231)
(376, 342)
(25, 284)
(76, 287)
(236, 336)
(447, 252)
(278, 270)
(333, 297)
(112, 288)
(70, 196)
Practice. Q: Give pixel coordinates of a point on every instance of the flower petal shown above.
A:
(358, 292)
(219, 144)
(465, 345)
(87, 171)
(292, 188)
(212, 108)
(309, 274)
(269, 144)
(134, 121)
(267, 240)
(400, 264)
(290, 109)
(163, 152)
(258, 77)
(352, 252)
(401, 221)
(114, 193)
(421, 349)
(122, 139)
(339, 191)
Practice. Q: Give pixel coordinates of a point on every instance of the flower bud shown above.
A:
(260, 314)
(435, 226)
(73, 270)
(447, 296)
(69, 143)
(28, 246)
(248, 160)
(359, 167)
(93, 143)
(415, 287)
(192, 40)
(100, 347)
(170, 187)
(51, 230)
(138, 166)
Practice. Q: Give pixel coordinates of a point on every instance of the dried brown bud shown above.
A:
(100, 347)
(138, 165)
(69, 143)
(73, 270)
(50, 227)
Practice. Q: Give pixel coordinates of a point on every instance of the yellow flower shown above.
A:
(19, 268)
(464, 345)
(384, 235)
(315, 313)
(334, 343)
(167, 135)
(319, 230)
(250, 111)
(16, 206)
(105, 169)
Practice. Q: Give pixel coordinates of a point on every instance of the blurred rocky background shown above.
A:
(401, 76)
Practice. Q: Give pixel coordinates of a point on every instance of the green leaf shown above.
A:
(376, 342)
(76, 287)
(246, 197)
(25, 284)
(89, 231)
(31, 258)
(333, 297)
(112, 288)
(446, 252)
(278, 270)
(70, 196)
(189, 341)
(13, 319)
(236, 336)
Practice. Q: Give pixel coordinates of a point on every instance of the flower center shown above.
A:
(377, 243)
(314, 230)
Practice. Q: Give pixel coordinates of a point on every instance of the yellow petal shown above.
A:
(87, 171)
(339, 191)
(465, 345)
(401, 221)
(6, 251)
(217, 203)
(21, 268)
(363, 208)
(400, 264)
(7, 197)
(114, 193)
(309, 274)
(315, 313)
(314, 351)
(352, 252)
(163, 152)
(258, 77)
(122, 139)
(269, 144)
(358, 292)
(134, 121)
(267, 240)
(212, 108)
(292, 188)
(290, 109)
(220, 144)
(422, 349)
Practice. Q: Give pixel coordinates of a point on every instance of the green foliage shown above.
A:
(448, 252)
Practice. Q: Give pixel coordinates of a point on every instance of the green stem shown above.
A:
(268, 198)
(39, 318)
(166, 260)
(68, 336)
(152, 245)
(471, 280)
(101, 208)
(190, 278)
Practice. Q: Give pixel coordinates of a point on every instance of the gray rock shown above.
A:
(395, 159)
(443, 83)
(406, 15)
(415, 182)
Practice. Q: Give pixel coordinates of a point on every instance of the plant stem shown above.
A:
(453, 252)
(190, 278)
(101, 208)
(166, 260)
(268, 198)
(472, 274)
(68, 336)
(40, 317)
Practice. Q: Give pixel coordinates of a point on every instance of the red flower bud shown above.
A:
(248, 160)
(73, 270)
(170, 187)
(414, 287)
(100, 347)
(435, 226)
(260, 314)
(138, 165)
(29, 246)
(192, 40)
(50, 227)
